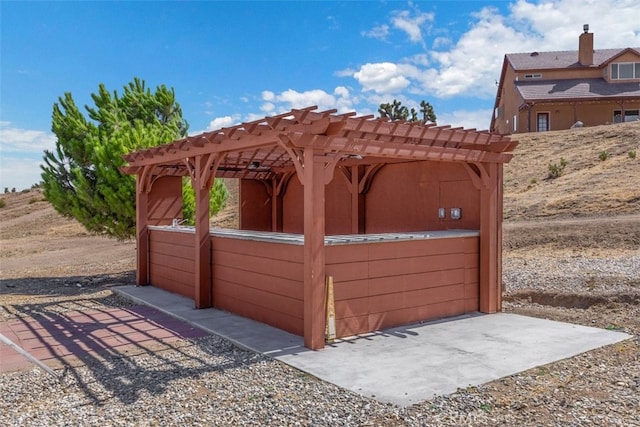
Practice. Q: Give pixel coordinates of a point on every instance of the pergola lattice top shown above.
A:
(273, 145)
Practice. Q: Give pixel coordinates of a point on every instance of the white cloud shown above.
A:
(302, 99)
(412, 25)
(440, 42)
(382, 77)
(470, 65)
(614, 23)
(469, 119)
(380, 32)
(277, 103)
(288, 99)
(341, 91)
(17, 140)
(252, 117)
(347, 72)
(267, 107)
(221, 122)
(21, 154)
(19, 172)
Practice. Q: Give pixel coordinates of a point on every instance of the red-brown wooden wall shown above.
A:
(381, 285)
(402, 197)
(259, 280)
(376, 285)
(171, 261)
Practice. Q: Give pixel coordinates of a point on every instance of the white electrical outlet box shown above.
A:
(456, 213)
(442, 213)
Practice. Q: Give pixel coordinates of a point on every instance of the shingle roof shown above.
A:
(559, 59)
(583, 89)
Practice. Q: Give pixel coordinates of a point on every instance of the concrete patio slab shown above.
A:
(404, 365)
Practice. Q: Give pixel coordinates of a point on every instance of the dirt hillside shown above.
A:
(587, 186)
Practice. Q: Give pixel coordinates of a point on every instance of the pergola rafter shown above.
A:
(264, 148)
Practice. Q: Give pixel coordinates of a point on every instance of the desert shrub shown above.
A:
(632, 154)
(534, 181)
(34, 200)
(6, 190)
(2, 203)
(604, 155)
(556, 169)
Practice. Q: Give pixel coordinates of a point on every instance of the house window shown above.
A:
(543, 122)
(533, 76)
(625, 71)
(629, 116)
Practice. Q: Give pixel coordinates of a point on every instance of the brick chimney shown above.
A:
(585, 47)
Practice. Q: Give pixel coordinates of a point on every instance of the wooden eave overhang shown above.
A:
(264, 148)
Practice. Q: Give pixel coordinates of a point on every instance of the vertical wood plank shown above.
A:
(357, 202)
(276, 207)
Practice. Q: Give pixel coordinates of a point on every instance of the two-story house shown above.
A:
(541, 91)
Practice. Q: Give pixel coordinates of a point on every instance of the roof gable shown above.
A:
(635, 52)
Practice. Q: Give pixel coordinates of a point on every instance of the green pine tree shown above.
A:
(396, 111)
(82, 177)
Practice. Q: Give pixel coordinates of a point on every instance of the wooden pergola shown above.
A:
(311, 146)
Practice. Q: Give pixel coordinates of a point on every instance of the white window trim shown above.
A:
(627, 116)
(634, 68)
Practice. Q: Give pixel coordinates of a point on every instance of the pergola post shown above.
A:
(142, 232)
(203, 292)
(314, 250)
(490, 245)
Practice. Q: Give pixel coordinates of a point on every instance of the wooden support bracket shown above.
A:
(478, 174)
(296, 155)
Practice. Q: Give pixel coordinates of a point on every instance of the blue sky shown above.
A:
(236, 61)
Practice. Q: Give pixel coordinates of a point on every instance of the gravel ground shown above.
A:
(614, 274)
(208, 381)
